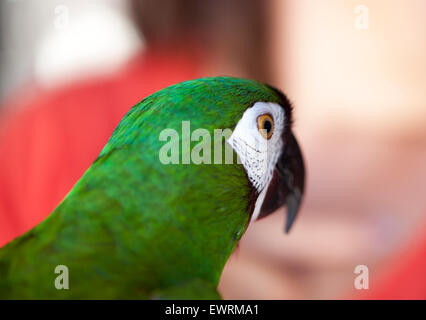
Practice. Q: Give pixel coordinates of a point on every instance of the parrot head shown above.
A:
(271, 157)
(269, 171)
(270, 167)
(166, 175)
(165, 203)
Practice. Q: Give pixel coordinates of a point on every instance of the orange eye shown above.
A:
(265, 124)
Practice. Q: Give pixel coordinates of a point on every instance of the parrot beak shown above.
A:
(287, 184)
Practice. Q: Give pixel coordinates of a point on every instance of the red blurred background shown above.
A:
(355, 72)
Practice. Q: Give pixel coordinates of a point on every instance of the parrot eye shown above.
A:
(265, 124)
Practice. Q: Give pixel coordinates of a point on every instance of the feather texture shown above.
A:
(132, 226)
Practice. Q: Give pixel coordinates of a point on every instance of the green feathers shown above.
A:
(132, 227)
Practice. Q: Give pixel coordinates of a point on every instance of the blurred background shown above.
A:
(354, 70)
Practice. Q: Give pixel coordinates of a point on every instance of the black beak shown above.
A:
(286, 187)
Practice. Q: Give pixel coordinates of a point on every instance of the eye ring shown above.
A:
(265, 125)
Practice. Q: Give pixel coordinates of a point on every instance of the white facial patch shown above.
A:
(258, 154)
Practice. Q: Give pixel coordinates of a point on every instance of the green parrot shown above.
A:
(160, 210)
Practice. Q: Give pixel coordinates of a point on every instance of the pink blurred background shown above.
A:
(354, 70)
